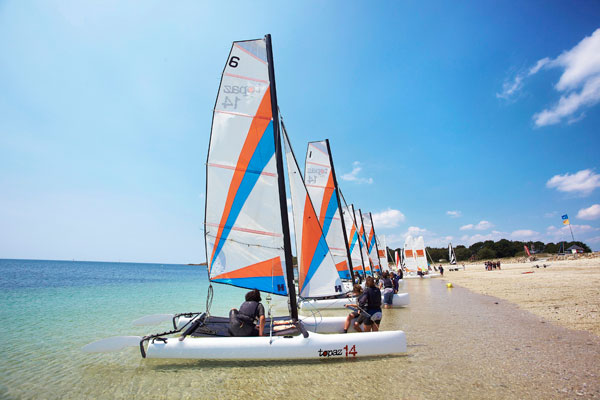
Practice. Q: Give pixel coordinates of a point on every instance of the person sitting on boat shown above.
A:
(388, 290)
(243, 322)
(370, 305)
(356, 292)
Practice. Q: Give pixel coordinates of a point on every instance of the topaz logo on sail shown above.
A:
(243, 90)
(318, 171)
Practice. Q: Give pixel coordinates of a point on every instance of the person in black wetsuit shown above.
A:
(369, 301)
(243, 322)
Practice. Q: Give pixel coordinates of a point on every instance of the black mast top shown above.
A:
(337, 195)
(287, 245)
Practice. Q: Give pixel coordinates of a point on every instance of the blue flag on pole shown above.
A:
(565, 219)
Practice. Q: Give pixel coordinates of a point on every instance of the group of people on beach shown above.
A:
(491, 265)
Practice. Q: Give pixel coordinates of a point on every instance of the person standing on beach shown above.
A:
(441, 270)
(388, 290)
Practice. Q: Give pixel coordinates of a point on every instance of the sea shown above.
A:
(460, 345)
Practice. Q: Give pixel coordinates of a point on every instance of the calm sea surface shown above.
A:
(461, 345)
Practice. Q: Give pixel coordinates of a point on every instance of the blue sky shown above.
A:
(487, 110)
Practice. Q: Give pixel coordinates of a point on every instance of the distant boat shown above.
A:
(451, 255)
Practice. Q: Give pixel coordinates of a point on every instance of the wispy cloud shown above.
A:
(590, 213)
(454, 214)
(579, 83)
(353, 176)
(389, 218)
(582, 182)
(481, 226)
(521, 234)
(551, 214)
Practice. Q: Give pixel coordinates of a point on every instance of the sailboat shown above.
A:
(352, 230)
(382, 252)
(410, 259)
(372, 249)
(322, 186)
(451, 254)
(247, 233)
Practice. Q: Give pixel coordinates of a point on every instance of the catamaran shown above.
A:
(247, 233)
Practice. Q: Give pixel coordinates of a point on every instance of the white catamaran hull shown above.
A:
(315, 346)
(399, 300)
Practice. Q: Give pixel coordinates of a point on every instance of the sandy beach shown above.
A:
(566, 292)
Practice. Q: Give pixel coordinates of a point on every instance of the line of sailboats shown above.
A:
(248, 235)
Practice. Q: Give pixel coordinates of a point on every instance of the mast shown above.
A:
(366, 243)
(377, 247)
(337, 195)
(287, 245)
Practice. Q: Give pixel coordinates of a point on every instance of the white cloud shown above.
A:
(481, 226)
(579, 82)
(353, 176)
(592, 212)
(415, 231)
(454, 214)
(595, 239)
(564, 233)
(524, 234)
(389, 218)
(584, 181)
(493, 235)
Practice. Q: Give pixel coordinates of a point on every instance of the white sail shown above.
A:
(451, 254)
(243, 225)
(352, 233)
(321, 184)
(363, 243)
(397, 259)
(371, 243)
(410, 261)
(420, 254)
(317, 274)
(382, 246)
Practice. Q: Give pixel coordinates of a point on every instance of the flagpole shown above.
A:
(572, 237)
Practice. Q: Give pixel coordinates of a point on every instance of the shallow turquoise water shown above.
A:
(49, 309)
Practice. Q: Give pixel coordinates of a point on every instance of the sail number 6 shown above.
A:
(233, 61)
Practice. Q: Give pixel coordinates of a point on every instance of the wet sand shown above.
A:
(567, 292)
(462, 345)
